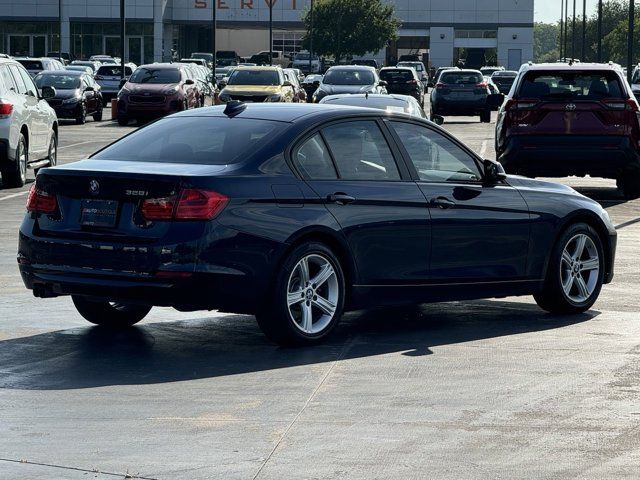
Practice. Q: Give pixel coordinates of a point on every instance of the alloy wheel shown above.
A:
(579, 268)
(22, 162)
(53, 152)
(312, 293)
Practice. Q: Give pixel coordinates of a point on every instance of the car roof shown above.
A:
(353, 67)
(267, 68)
(468, 70)
(572, 66)
(71, 73)
(369, 96)
(162, 65)
(285, 112)
(408, 69)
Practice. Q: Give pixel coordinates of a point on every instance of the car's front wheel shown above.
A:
(575, 272)
(110, 314)
(630, 185)
(97, 116)
(81, 119)
(307, 298)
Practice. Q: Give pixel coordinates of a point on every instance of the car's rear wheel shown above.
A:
(630, 185)
(575, 272)
(485, 116)
(53, 152)
(81, 119)
(16, 176)
(123, 120)
(97, 117)
(110, 314)
(307, 298)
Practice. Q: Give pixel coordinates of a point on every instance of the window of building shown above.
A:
(476, 34)
(287, 42)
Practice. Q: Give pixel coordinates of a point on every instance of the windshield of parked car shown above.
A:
(573, 85)
(461, 78)
(113, 71)
(156, 75)
(396, 76)
(417, 66)
(206, 56)
(305, 56)
(199, 140)
(254, 77)
(31, 64)
(348, 77)
(59, 81)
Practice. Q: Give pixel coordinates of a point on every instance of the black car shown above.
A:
(504, 79)
(404, 81)
(297, 213)
(77, 94)
(460, 92)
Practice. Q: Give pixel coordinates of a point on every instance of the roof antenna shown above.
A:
(234, 107)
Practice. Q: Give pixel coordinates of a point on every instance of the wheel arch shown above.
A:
(24, 130)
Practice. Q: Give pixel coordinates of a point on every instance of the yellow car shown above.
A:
(257, 84)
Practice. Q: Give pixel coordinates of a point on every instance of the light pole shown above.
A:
(122, 35)
(599, 30)
(573, 33)
(271, 32)
(561, 26)
(630, 40)
(584, 29)
(311, 37)
(213, 33)
(566, 28)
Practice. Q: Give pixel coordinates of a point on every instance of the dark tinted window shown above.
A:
(156, 75)
(113, 71)
(31, 64)
(396, 76)
(461, 78)
(348, 77)
(572, 85)
(212, 141)
(59, 81)
(361, 151)
(254, 77)
(435, 157)
(313, 160)
(26, 78)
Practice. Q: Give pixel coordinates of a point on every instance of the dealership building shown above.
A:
(443, 31)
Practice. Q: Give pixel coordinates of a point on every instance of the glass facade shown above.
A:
(32, 39)
(287, 42)
(89, 38)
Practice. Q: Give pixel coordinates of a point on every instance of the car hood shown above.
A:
(252, 89)
(149, 87)
(335, 89)
(66, 93)
(518, 181)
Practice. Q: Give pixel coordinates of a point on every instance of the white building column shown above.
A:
(441, 46)
(65, 29)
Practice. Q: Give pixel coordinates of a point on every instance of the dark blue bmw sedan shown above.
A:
(296, 213)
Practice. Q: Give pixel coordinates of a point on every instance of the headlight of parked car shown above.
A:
(171, 91)
(274, 98)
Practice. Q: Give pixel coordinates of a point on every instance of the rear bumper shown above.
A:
(564, 155)
(460, 107)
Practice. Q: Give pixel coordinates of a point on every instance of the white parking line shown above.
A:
(483, 148)
(80, 143)
(14, 195)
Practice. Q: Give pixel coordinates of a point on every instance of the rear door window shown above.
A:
(28, 81)
(547, 85)
(361, 151)
(7, 79)
(21, 87)
(396, 76)
(457, 78)
(313, 160)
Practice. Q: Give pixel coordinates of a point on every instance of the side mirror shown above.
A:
(122, 82)
(48, 92)
(382, 83)
(189, 81)
(89, 89)
(493, 171)
(495, 100)
(286, 83)
(316, 83)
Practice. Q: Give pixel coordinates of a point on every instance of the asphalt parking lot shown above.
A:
(491, 389)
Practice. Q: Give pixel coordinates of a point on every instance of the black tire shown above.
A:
(485, 117)
(81, 119)
(16, 177)
(53, 152)
(123, 121)
(97, 117)
(553, 298)
(275, 318)
(630, 186)
(110, 314)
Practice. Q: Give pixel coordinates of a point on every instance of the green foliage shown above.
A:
(343, 28)
(545, 42)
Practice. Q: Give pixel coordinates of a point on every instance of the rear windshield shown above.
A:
(60, 81)
(201, 140)
(417, 66)
(348, 77)
(254, 77)
(571, 85)
(156, 75)
(113, 71)
(31, 64)
(393, 76)
(461, 78)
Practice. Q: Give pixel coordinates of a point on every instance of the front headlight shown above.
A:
(274, 98)
(171, 91)
(68, 101)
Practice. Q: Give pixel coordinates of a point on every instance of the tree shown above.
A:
(344, 28)
(545, 42)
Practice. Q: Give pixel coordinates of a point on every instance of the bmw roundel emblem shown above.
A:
(94, 187)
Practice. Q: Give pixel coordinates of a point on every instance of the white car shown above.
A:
(392, 103)
(28, 125)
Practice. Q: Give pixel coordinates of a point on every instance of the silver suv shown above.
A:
(28, 125)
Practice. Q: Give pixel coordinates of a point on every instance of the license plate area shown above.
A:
(98, 213)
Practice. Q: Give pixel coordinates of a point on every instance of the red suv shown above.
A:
(571, 119)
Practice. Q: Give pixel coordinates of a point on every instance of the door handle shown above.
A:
(340, 198)
(442, 202)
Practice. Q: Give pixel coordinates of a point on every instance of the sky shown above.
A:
(549, 10)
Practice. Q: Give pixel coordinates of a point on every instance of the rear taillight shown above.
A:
(441, 85)
(189, 204)
(5, 109)
(413, 82)
(629, 104)
(39, 201)
(482, 85)
(522, 104)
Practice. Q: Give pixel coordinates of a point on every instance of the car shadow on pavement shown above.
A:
(203, 348)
